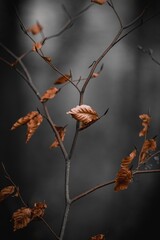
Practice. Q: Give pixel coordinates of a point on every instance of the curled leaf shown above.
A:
(36, 46)
(148, 145)
(62, 132)
(124, 175)
(128, 160)
(146, 119)
(63, 79)
(123, 179)
(21, 218)
(100, 2)
(35, 29)
(84, 114)
(38, 210)
(49, 94)
(98, 237)
(6, 192)
(23, 120)
(32, 126)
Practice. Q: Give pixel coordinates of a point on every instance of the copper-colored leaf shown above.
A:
(127, 160)
(62, 132)
(21, 218)
(49, 94)
(47, 59)
(84, 114)
(145, 123)
(35, 29)
(38, 210)
(6, 192)
(23, 120)
(36, 46)
(100, 2)
(98, 237)
(32, 126)
(123, 179)
(148, 145)
(63, 79)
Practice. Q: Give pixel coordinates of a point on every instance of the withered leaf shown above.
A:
(23, 120)
(84, 114)
(38, 210)
(123, 179)
(128, 160)
(32, 126)
(21, 218)
(35, 29)
(98, 237)
(62, 132)
(63, 79)
(100, 2)
(146, 119)
(49, 94)
(36, 46)
(148, 145)
(6, 192)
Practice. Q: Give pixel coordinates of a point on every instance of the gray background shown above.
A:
(128, 85)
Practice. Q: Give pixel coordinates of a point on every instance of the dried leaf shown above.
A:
(32, 126)
(123, 179)
(6, 192)
(146, 119)
(128, 160)
(38, 210)
(23, 120)
(100, 2)
(98, 237)
(35, 29)
(84, 114)
(148, 145)
(21, 218)
(62, 132)
(47, 59)
(36, 46)
(49, 94)
(63, 79)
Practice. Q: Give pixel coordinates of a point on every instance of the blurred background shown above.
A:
(128, 85)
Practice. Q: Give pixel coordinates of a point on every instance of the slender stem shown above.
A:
(65, 220)
(23, 202)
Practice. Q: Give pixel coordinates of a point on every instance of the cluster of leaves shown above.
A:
(23, 216)
(125, 173)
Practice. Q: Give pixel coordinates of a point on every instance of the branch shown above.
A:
(22, 200)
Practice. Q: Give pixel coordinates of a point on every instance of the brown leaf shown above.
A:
(63, 79)
(123, 179)
(35, 29)
(127, 160)
(100, 2)
(38, 210)
(49, 94)
(21, 218)
(36, 46)
(148, 145)
(62, 132)
(146, 119)
(98, 237)
(23, 120)
(32, 126)
(6, 192)
(84, 114)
